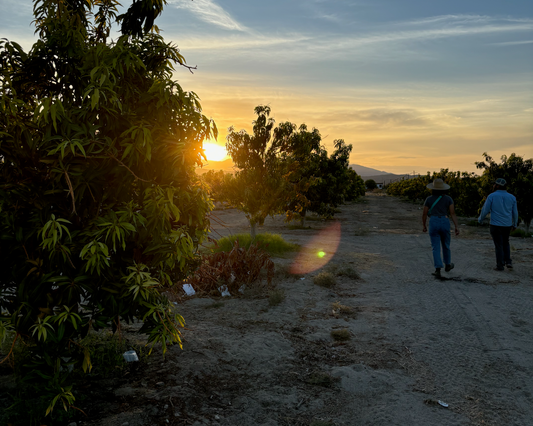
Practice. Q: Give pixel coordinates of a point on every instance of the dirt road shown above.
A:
(465, 341)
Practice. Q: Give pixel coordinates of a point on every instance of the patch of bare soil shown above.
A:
(394, 346)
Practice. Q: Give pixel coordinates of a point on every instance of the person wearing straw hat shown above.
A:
(503, 219)
(439, 207)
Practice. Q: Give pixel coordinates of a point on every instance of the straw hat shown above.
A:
(438, 184)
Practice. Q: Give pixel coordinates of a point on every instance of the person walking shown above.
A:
(439, 207)
(503, 219)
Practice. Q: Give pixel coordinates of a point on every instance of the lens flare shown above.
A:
(319, 251)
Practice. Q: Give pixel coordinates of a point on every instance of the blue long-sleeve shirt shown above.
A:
(502, 208)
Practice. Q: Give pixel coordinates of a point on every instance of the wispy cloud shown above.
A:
(210, 12)
(435, 32)
(513, 43)
(380, 118)
(333, 45)
(448, 19)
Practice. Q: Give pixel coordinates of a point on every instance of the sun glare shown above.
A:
(214, 152)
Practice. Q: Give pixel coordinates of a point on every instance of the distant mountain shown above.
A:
(367, 171)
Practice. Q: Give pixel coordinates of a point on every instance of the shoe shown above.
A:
(509, 265)
(499, 269)
(449, 267)
(436, 274)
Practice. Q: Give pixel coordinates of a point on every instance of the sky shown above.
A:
(412, 85)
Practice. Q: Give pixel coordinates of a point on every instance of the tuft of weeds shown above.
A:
(341, 335)
(325, 279)
(322, 379)
(338, 308)
(275, 297)
(274, 244)
(342, 271)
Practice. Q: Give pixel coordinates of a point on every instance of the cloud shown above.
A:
(513, 43)
(210, 12)
(449, 19)
(381, 118)
(386, 41)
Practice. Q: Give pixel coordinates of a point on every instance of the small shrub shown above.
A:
(232, 269)
(342, 271)
(275, 297)
(341, 335)
(325, 279)
(274, 244)
(520, 233)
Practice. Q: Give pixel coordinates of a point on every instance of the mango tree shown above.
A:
(257, 186)
(100, 206)
(518, 173)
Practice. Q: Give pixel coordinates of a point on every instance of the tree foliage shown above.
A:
(99, 202)
(518, 173)
(371, 184)
(257, 187)
(286, 169)
(469, 190)
(464, 189)
(336, 181)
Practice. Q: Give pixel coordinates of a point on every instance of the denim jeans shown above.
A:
(500, 236)
(439, 234)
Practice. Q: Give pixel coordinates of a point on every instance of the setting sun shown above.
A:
(214, 152)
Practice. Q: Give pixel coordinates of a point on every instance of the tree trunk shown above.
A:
(527, 223)
(253, 229)
(302, 219)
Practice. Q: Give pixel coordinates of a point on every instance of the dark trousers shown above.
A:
(500, 236)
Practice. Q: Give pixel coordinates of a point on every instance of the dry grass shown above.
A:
(341, 335)
(325, 279)
(233, 269)
(343, 270)
(275, 297)
(339, 309)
